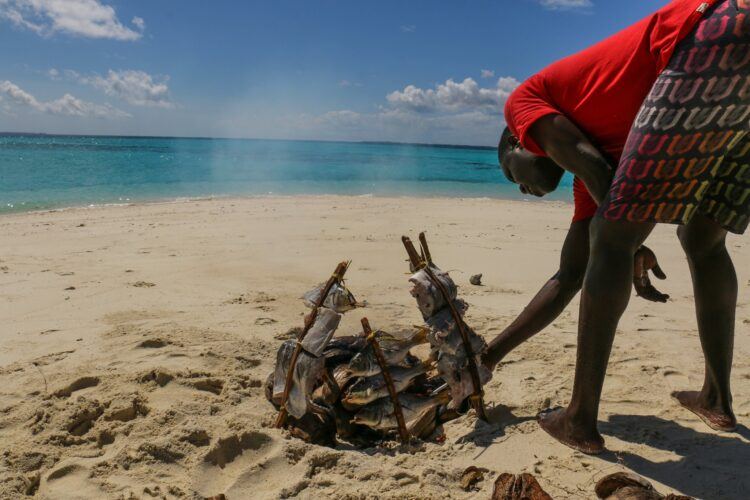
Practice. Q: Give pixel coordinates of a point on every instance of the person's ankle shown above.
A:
(581, 422)
(711, 398)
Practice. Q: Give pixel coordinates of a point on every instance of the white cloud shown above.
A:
(134, 87)
(66, 105)
(139, 23)
(349, 83)
(566, 4)
(488, 73)
(408, 28)
(86, 18)
(449, 113)
(453, 97)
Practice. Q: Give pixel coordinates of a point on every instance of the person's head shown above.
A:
(534, 174)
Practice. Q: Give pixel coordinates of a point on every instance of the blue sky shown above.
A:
(408, 70)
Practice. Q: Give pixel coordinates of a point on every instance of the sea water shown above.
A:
(43, 172)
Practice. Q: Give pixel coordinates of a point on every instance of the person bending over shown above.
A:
(685, 162)
(575, 115)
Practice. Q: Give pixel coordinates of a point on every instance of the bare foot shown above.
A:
(715, 418)
(555, 422)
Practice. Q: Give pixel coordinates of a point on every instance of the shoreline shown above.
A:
(175, 201)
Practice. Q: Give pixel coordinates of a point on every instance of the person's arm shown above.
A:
(551, 300)
(557, 293)
(569, 147)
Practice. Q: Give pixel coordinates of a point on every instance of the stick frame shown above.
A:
(336, 277)
(476, 399)
(402, 431)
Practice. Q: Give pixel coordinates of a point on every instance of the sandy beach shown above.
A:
(135, 341)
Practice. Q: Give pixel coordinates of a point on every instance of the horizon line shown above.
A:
(209, 138)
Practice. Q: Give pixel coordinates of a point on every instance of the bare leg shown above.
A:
(715, 290)
(605, 295)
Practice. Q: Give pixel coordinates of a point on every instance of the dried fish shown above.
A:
(429, 297)
(454, 369)
(380, 414)
(321, 332)
(367, 390)
(307, 372)
(445, 335)
(342, 349)
(310, 365)
(339, 298)
(394, 347)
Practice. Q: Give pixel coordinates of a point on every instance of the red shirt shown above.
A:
(602, 88)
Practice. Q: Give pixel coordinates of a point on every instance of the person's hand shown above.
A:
(645, 261)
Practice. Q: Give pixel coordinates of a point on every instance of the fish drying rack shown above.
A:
(419, 261)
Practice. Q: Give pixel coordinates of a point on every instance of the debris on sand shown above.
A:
(476, 279)
(518, 487)
(471, 477)
(628, 486)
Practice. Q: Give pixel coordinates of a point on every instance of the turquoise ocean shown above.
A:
(43, 172)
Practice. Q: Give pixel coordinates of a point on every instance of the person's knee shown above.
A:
(698, 244)
(614, 237)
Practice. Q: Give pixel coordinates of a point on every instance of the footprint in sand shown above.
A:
(143, 284)
(153, 344)
(265, 321)
(251, 464)
(196, 437)
(125, 411)
(76, 385)
(240, 299)
(675, 378)
(212, 385)
(227, 449)
(84, 417)
(247, 363)
(263, 297)
(67, 478)
(160, 377)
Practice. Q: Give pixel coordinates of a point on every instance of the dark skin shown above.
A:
(606, 293)
(539, 176)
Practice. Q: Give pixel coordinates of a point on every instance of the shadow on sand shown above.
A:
(712, 465)
(485, 434)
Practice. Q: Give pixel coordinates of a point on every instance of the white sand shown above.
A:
(197, 291)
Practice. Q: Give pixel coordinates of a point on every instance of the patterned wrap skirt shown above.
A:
(688, 151)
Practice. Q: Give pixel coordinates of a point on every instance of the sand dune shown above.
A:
(135, 340)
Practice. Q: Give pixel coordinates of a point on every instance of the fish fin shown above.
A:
(420, 337)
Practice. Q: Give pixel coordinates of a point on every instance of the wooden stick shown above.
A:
(413, 255)
(402, 431)
(476, 399)
(425, 248)
(336, 277)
